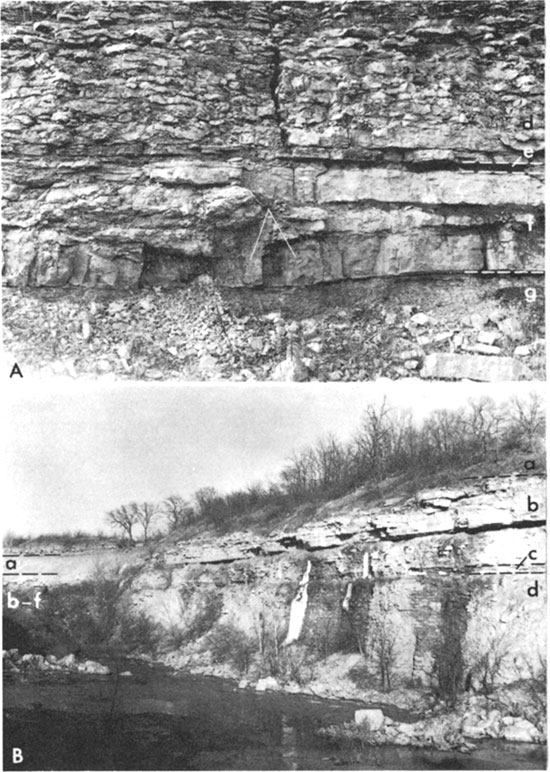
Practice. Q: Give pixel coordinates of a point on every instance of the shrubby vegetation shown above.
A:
(265, 656)
(90, 614)
(389, 442)
(66, 539)
(228, 643)
(202, 611)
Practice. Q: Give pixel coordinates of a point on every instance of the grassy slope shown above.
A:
(289, 516)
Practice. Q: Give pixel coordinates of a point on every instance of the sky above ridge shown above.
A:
(73, 452)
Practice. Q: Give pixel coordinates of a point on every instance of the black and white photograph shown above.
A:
(324, 577)
(274, 394)
(274, 191)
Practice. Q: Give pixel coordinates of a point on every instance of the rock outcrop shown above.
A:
(461, 564)
(270, 143)
(454, 730)
(14, 662)
(403, 572)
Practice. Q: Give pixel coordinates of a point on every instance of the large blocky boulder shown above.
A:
(474, 367)
(372, 718)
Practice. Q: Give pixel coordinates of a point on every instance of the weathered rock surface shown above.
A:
(267, 684)
(93, 668)
(478, 506)
(451, 367)
(373, 719)
(521, 731)
(395, 563)
(290, 369)
(146, 149)
(15, 662)
(447, 732)
(443, 187)
(392, 568)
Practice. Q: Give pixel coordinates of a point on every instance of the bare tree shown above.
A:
(144, 515)
(205, 498)
(331, 458)
(255, 494)
(488, 643)
(178, 511)
(299, 475)
(445, 430)
(383, 641)
(484, 421)
(527, 418)
(125, 518)
(537, 684)
(374, 442)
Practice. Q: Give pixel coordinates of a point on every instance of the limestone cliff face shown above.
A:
(453, 572)
(449, 571)
(146, 143)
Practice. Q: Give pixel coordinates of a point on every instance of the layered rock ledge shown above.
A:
(270, 144)
(450, 577)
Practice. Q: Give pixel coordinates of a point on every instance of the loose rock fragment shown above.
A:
(476, 368)
(373, 718)
(292, 369)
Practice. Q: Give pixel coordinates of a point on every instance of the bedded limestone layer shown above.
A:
(148, 143)
(400, 573)
(403, 575)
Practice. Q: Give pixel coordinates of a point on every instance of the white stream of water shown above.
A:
(298, 609)
(345, 602)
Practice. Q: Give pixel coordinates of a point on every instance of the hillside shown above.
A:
(432, 605)
(397, 559)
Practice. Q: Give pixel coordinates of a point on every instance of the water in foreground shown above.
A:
(157, 720)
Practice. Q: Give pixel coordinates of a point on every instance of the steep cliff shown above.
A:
(444, 575)
(439, 592)
(270, 143)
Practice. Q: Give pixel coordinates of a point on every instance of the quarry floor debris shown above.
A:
(202, 333)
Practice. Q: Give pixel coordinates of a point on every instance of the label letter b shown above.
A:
(532, 506)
